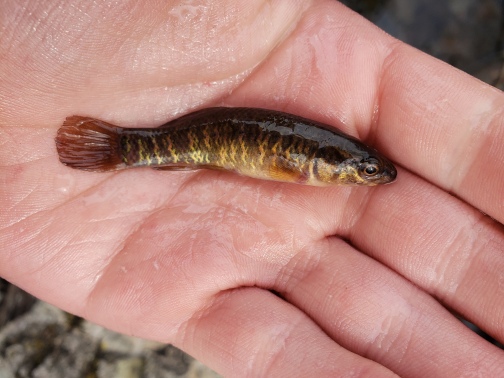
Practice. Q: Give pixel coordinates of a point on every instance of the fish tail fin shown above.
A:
(89, 144)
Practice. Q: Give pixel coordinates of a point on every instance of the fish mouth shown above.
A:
(389, 174)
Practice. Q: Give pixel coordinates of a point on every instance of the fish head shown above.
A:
(368, 170)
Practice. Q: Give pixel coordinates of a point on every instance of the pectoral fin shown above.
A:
(284, 170)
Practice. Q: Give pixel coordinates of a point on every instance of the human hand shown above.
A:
(363, 274)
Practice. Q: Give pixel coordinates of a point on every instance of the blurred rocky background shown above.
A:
(467, 34)
(38, 340)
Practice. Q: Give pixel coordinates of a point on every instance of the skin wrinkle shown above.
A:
(254, 64)
(286, 278)
(354, 214)
(289, 28)
(463, 160)
(474, 254)
(60, 205)
(464, 233)
(388, 61)
(120, 247)
(268, 363)
(71, 244)
(21, 204)
(188, 328)
(35, 234)
(10, 147)
(256, 67)
(26, 197)
(484, 308)
(237, 198)
(133, 235)
(53, 49)
(472, 167)
(42, 243)
(404, 316)
(440, 181)
(317, 228)
(316, 264)
(310, 231)
(409, 343)
(53, 259)
(22, 164)
(396, 340)
(287, 332)
(431, 288)
(22, 34)
(233, 257)
(16, 202)
(281, 36)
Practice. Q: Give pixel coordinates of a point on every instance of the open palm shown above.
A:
(253, 277)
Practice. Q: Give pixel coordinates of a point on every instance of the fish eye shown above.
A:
(371, 168)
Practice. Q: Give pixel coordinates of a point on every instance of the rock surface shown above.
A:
(41, 341)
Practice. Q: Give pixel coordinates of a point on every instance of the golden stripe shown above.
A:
(311, 163)
(262, 149)
(191, 137)
(126, 152)
(141, 151)
(275, 146)
(195, 153)
(196, 156)
(233, 151)
(206, 138)
(171, 149)
(156, 150)
(208, 146)
(244, 149)
(288, 153)
(128, 145)
(222, 155)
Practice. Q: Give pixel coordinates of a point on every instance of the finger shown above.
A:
(440, 243)
(375, 313)
(446, 126)
(251, 332)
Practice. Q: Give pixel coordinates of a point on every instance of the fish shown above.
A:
(254, 142)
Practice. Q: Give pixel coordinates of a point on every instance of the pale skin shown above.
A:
(368, 278)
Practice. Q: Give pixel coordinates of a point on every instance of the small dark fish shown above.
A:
(258, 143)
